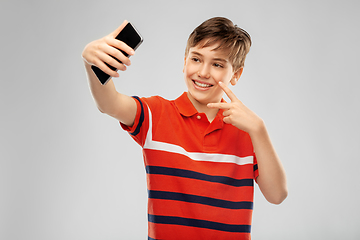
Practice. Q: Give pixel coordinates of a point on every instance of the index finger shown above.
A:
(228, 92)
(118, 30)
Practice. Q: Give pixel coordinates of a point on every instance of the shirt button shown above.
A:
(198, 117)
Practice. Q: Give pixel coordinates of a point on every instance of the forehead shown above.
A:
(213, 50)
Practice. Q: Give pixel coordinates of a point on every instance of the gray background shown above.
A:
(69, 172)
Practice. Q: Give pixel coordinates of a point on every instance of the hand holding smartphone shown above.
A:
(132, 38)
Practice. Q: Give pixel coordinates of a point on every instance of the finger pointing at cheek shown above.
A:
(228, 92)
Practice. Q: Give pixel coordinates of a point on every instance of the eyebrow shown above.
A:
(216, 59)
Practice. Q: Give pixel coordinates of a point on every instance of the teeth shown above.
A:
(204, 85)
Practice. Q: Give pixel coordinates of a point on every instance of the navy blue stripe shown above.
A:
(149, 238)
(141, 120)
(199, 176)
(199, 223)
(199, 199)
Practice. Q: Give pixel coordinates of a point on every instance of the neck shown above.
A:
(201, 108)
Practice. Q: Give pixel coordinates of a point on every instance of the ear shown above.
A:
(236, 76)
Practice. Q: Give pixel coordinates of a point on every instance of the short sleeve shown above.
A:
(139, 129)
(255, 166)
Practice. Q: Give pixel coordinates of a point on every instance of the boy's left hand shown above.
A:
(236, 113)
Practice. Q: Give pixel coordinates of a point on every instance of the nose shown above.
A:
(204, 72)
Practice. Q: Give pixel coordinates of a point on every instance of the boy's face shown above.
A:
(203, 69)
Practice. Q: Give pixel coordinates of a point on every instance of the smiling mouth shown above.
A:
(202, 85)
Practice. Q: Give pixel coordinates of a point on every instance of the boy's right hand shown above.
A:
(101, 51)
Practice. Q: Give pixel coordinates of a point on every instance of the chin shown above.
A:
(201, 98)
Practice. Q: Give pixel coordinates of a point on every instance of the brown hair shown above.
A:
(230, 37)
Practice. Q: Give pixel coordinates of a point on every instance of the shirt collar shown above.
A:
(185, 106)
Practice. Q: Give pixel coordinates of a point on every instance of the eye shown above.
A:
(218, 65)
(194, 59)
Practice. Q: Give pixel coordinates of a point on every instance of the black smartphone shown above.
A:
(132, 38)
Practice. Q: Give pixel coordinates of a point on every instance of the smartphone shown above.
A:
(132, 38)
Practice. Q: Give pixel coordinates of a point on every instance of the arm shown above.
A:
(271, 179)
(107, 99)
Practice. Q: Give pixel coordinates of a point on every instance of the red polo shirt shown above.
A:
(200, 175)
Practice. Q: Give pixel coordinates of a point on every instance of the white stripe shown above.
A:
(209, 157)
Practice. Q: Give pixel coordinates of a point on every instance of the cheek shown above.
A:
(219, 76)
(187, 74)
(225, 78)
(190, 69)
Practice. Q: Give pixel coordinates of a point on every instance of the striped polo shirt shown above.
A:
(200, 175)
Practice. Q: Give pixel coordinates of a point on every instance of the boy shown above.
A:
(199, 151)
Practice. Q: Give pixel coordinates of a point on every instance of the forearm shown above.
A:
(272, 178)
(109, 100)
(102, 94)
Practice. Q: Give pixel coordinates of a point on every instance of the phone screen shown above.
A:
(132, 38)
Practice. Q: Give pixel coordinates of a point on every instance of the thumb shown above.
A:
(118, 30)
